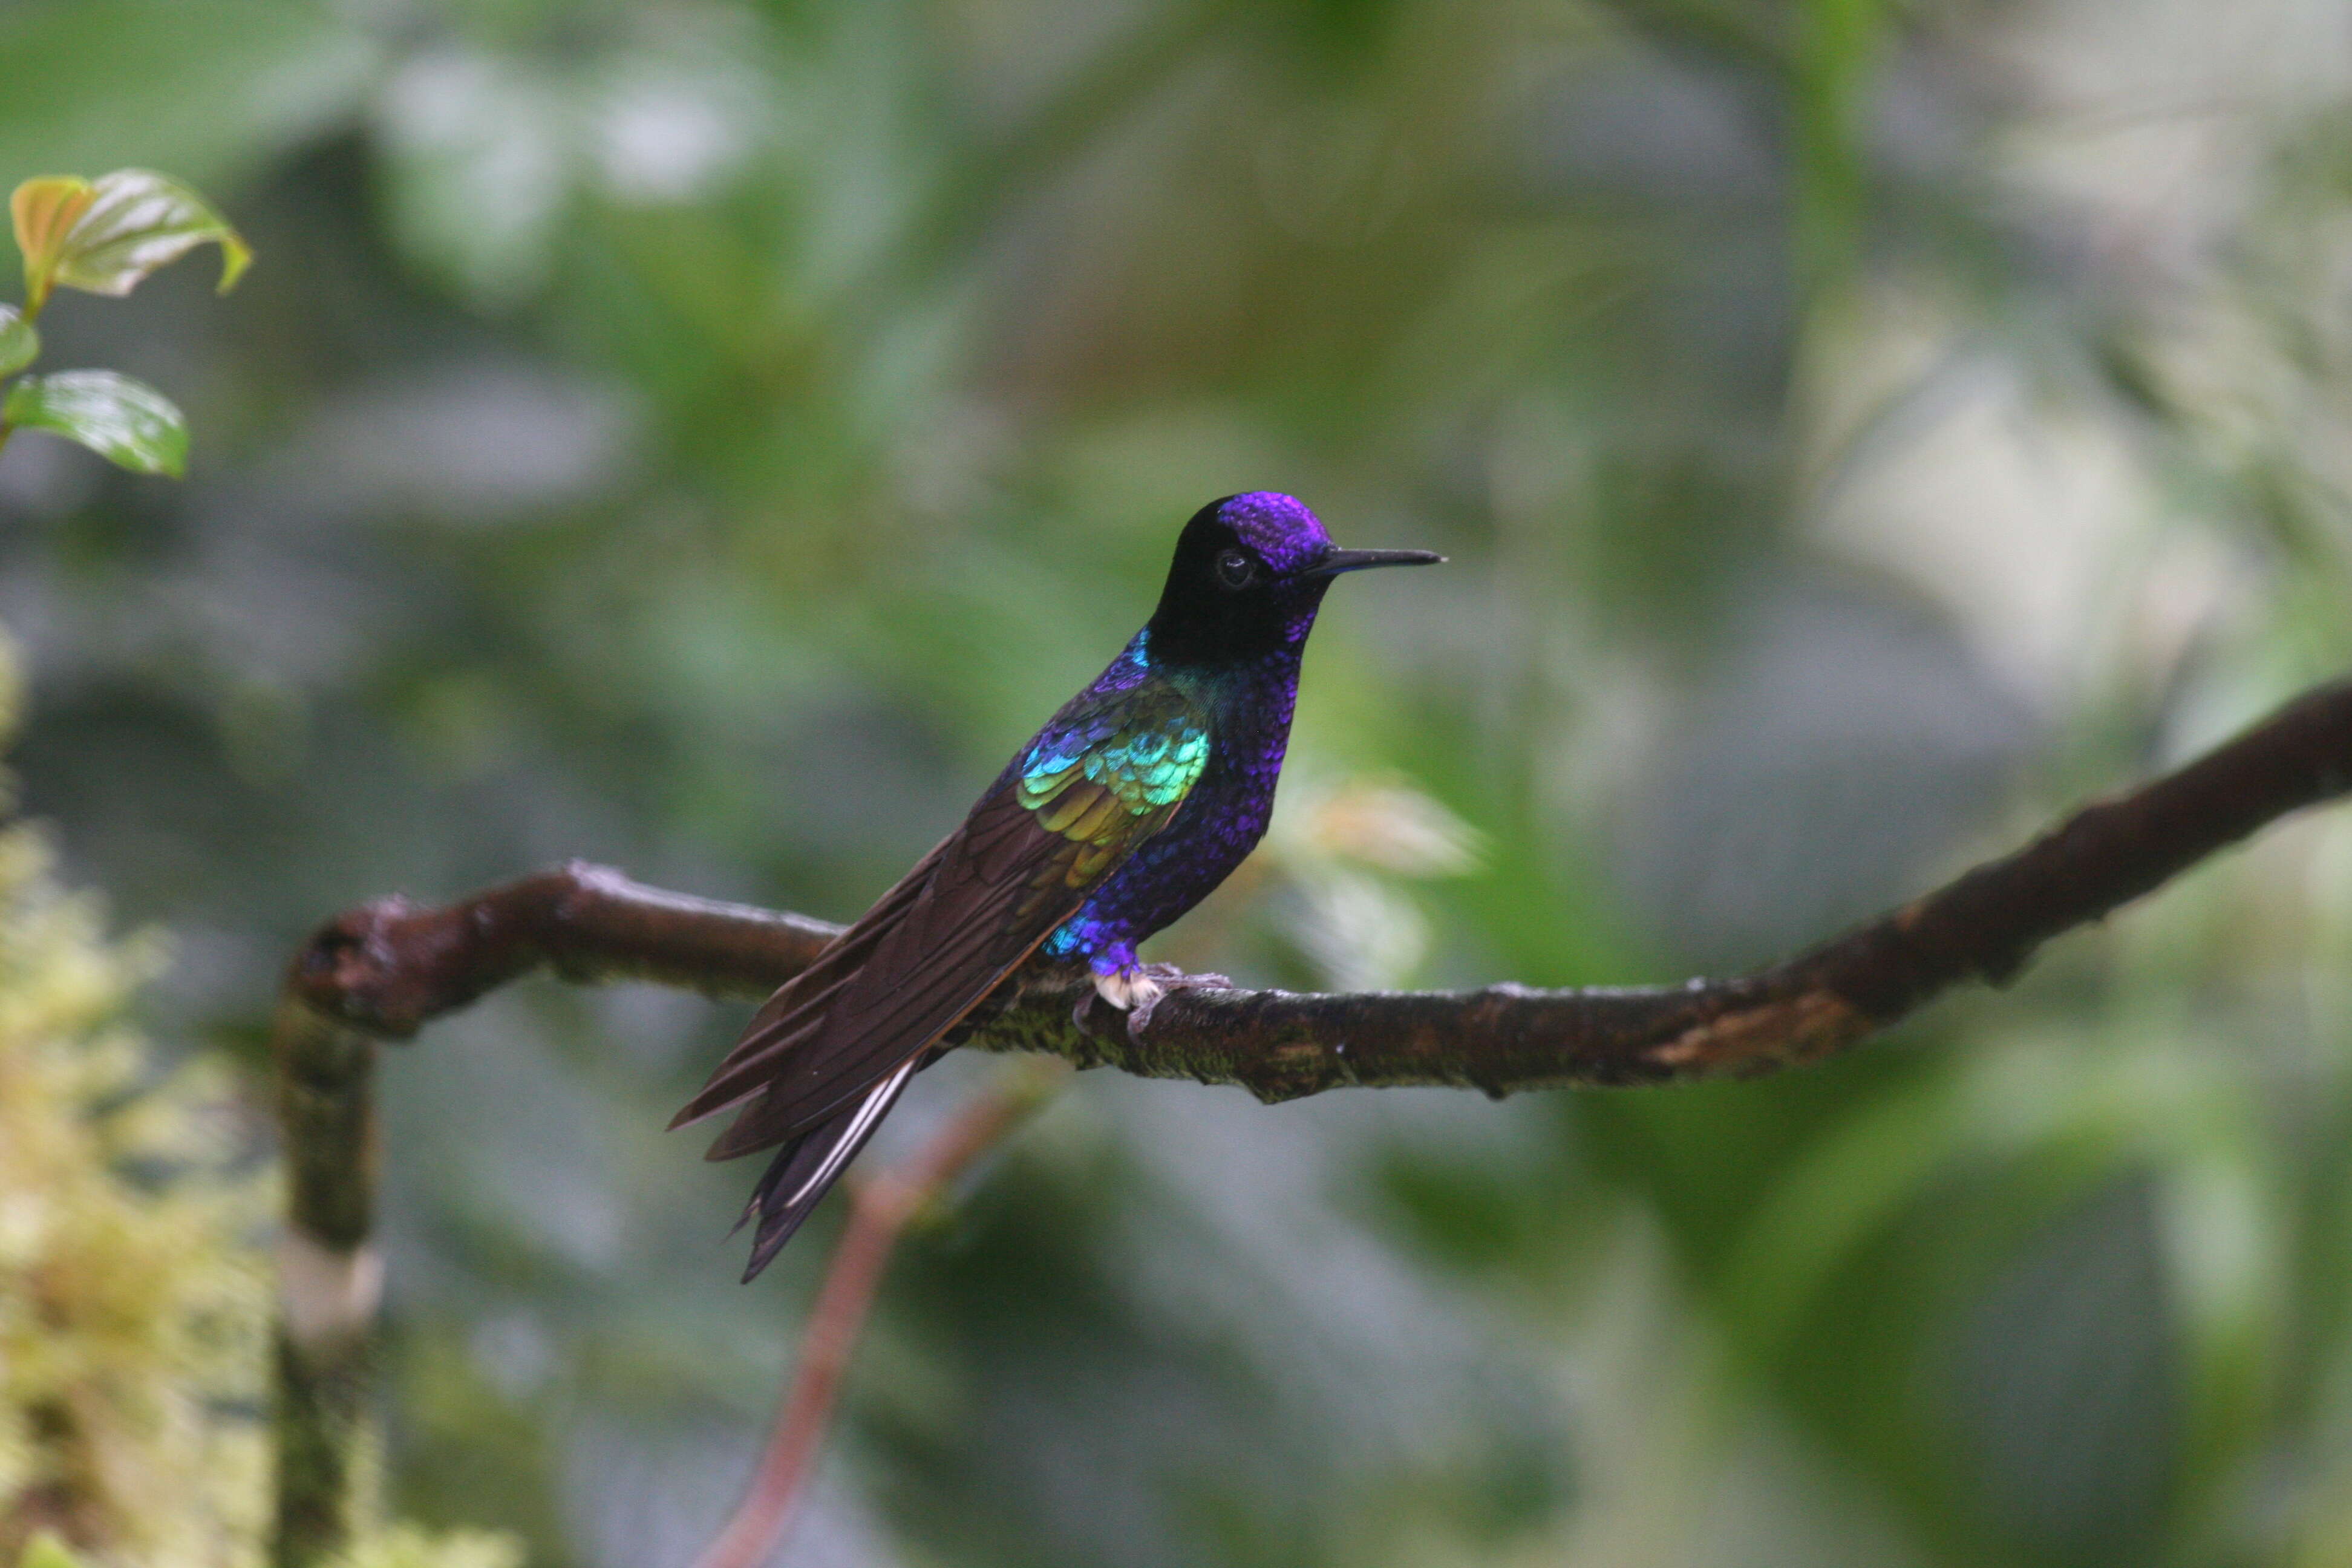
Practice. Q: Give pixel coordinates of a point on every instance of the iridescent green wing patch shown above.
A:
(1115, 776)
(1111, 770)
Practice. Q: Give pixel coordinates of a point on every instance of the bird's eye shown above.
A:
(1234, 569)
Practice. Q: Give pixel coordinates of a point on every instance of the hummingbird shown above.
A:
(1136, 799)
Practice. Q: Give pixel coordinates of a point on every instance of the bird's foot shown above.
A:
(1136, 989)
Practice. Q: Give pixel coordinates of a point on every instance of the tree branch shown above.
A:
(880, 1210)
(383, 970)
(387, 967)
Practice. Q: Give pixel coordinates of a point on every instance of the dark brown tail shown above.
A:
(805, 1170)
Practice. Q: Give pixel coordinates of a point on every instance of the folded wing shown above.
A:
(844, 1034)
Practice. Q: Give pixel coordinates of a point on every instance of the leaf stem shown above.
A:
(34, 299)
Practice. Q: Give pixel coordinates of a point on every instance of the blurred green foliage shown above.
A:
(132, 1306)
(708, 435)
(134, 1300)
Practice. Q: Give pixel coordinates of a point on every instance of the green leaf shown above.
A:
(1840, 43)
(136, 222)
(45, 1551)
(124, 421)
(44, 211)
(20, 345)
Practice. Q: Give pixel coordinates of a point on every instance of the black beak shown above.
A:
(1340, 560)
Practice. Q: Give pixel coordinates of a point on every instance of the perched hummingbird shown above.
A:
(1126, 810)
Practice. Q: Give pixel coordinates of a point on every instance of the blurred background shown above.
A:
(707, 436)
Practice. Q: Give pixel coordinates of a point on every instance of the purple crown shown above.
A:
(1278, 527)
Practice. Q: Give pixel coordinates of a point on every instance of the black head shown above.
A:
(1249, 575)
